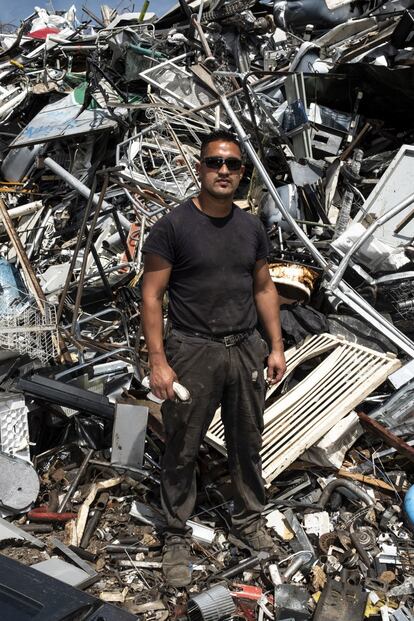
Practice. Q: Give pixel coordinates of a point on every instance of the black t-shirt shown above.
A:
(211, 284)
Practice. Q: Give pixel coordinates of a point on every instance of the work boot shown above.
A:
(176, 560)
(257, 540)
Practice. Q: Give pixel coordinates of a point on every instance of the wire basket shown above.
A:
(24, 328)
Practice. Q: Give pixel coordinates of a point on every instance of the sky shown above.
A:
(14, 11)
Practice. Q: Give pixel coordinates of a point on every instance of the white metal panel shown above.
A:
(302, 416)
(395, 185)
(314, 346)
(14, 426)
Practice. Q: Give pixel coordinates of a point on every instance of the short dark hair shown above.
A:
(219, 134)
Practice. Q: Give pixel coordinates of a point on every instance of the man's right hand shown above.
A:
(162, 377)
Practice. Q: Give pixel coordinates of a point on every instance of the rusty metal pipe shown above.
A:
(41, 514)
(94, 519)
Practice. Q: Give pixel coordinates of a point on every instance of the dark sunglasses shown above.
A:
(232, 163)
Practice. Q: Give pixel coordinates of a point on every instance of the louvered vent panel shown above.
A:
(298, 419)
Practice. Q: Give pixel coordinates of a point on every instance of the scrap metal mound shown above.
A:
(101, 120)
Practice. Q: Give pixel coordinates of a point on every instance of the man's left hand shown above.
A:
(276, 366)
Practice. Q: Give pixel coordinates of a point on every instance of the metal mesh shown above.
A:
(154, 161)
(24, 328)
(399, 295)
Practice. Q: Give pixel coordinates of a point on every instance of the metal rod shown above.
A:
(71, 181)
(109, 270)
(140, 208)
(73, 48)
(86, 251)
(75, 482)
(104, 356)
(23, 258)
(141, 242)
(203, 40)
(183, 154)
(93, 16)
(76, 251)
(143, 11)
(101, 271)
(122, 235)
(24, 210)
(98, 315)
(41, 231)
(127, 548)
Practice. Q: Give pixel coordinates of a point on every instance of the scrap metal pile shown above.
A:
(100, 127)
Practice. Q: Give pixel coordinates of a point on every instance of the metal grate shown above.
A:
(302, 416)
(315, 346)
(25, 329)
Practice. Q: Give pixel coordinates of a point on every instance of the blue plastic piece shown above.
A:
(409, 506)
(13, 293)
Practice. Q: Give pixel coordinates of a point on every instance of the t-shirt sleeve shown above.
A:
(262, 242)
(160, 240)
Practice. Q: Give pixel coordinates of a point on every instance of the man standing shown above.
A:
(211, 256)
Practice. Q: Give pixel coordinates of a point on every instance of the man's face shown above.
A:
(222, 182)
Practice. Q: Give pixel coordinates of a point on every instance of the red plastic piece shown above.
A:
(43, 32)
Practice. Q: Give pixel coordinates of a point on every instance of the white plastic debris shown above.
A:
(317, 523)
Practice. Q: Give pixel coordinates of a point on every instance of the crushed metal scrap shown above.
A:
(100, 124)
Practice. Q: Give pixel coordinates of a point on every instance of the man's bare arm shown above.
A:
(157, 273)
(267, 304)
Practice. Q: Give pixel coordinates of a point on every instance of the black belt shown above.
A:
(229, 340)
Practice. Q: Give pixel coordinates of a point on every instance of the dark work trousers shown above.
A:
(214, 374)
